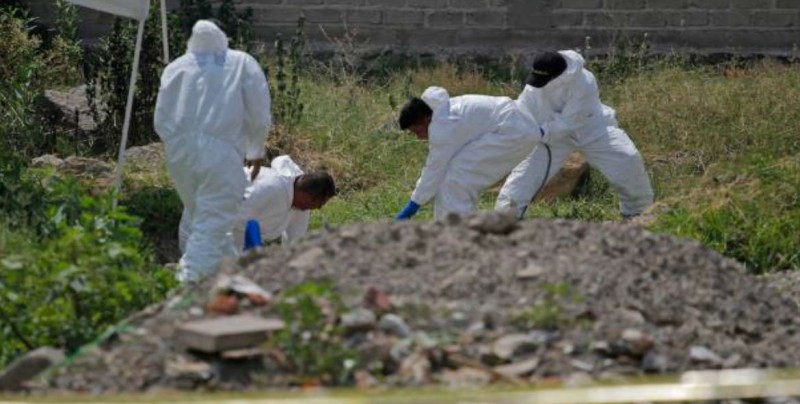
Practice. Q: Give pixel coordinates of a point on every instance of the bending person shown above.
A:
(474, 141)
(564, 97)
(213, 111)
(280, 199)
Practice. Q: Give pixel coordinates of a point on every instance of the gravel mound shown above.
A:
(557, 298)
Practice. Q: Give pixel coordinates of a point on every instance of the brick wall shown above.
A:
(503, 26)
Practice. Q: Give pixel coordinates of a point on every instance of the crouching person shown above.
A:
(280, 199)
(474, 141)
(564, 98)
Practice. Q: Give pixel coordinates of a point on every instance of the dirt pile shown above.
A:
(478, 300)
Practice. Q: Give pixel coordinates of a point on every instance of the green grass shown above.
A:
(721, 146)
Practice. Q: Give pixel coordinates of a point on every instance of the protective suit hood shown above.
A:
(207, 38)
(437, 98)
(575, 63)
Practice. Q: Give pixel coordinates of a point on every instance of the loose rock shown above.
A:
(30, 365)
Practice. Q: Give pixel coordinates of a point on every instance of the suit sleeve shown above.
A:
(298, 225)
(442, 149)
(579, 109)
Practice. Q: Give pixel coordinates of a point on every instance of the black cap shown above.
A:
(546, 67)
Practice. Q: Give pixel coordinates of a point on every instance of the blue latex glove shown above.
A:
(252, 234)
(409, 211)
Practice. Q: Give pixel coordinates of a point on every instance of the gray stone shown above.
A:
(704, 355)
(359, 319)
(518, 369)
(654, 363)
(226, 333)
(497, 222)
(48, 160)
(27, 367)
(515, 344)
(465, 377)
(394, 325)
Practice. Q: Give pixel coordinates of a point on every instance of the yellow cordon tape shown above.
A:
(692, 386)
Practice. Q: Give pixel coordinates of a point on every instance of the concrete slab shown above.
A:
(226, 333)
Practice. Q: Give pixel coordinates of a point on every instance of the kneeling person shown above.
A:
(280, 199)
(474, 141)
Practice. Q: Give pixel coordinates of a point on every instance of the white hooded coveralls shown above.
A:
(474, 141)
(268, 199)
(573, 118)
(213, 110)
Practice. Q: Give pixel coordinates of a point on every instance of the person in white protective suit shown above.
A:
(474, 141)
(563, 96)
(212, 113)
(281, 199)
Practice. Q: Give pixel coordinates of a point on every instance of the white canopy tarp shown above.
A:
(136, 9)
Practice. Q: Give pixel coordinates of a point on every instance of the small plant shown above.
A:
(313, 341)
(548, 313)
(63, 58)
(287, 109)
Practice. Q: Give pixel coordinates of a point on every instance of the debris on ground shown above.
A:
(462, 302)
(17, 374)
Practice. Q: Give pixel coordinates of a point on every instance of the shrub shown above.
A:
(83, 268)
(313, 343)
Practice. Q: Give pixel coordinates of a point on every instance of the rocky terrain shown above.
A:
(469, 301)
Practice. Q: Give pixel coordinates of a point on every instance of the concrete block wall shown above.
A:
(496, 27)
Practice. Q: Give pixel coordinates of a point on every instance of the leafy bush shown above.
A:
(79, 265)
(21, 128)
(26, 69)
(313, 343)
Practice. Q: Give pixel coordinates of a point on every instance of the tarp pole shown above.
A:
(164, 32)
(128, 108)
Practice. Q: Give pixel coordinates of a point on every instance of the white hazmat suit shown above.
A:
(268, 200)
(213, 111)
(573, 118)
(474, 141)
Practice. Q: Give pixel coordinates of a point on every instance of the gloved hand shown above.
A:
(409, 211)
(252, 235)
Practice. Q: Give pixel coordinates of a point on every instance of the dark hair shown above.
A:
(318, 184)
(413, 112)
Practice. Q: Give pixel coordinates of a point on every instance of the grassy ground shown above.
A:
(721, 145)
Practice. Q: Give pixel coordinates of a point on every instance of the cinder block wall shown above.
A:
(495, 27)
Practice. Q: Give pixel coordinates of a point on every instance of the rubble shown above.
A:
(226, 333)
(15, 376)
(442, 305)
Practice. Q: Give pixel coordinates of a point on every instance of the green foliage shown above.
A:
(65, 54)
(313, 341)
(287, 107)
(759, 227)
(83, 269)
(26, 69)
(108, 79)
(21, 128)
(23, 199)
(160, 209)
(548, 313)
